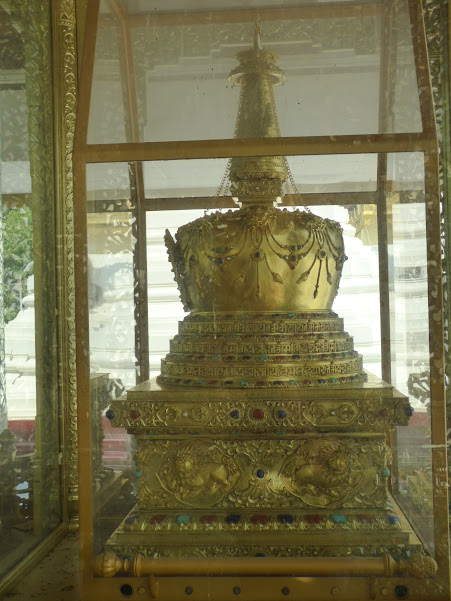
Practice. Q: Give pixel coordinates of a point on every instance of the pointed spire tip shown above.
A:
(257, 34)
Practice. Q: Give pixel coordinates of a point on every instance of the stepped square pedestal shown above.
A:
(245, 472)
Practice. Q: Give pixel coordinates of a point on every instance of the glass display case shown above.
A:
(259, 307)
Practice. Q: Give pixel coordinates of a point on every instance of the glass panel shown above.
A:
(112, 339)
(29, 441)
(402, 89)
(311, 174)
(108, 120)
(410, 335)
(181, 65)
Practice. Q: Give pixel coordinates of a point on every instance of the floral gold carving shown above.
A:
(66, 22)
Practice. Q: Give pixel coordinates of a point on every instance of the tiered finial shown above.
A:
(259, 180)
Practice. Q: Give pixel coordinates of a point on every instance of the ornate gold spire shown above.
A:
(259, 282)
(259, 180)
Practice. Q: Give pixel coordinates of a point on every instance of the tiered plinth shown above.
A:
(261, 350)
(241, 472)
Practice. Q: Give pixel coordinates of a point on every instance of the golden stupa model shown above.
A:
(262, 436)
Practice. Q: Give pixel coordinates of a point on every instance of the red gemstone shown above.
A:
(313, 519)
(213, 382)
(260, 383)
(156, 519)
(134, 414)
(259, 519)
(207, 519)
(364, 517)
(258, 414)
(383, 412)
(279, 358)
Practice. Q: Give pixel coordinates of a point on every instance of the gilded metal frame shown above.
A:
(426, 141)
(61, 346)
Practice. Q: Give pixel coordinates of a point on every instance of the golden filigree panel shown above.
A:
(350, 472)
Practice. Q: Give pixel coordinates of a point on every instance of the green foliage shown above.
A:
(17, 254)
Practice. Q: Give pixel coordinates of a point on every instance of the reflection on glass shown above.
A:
(179, 64)
(113, 361)
(29, 471)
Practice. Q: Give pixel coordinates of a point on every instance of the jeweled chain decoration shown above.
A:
(257, 229)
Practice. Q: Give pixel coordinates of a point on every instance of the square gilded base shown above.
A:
(302, 472)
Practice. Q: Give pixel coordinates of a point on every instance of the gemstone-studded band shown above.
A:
(261, 350)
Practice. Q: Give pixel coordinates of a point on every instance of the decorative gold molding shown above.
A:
(436, 19)
(65, 98)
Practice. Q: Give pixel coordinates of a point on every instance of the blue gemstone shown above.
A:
(285, 518)
(246, 357)
(220, 261)
(131, 520)
(235, 414)
(281, 414)
(257, 255)
(393, 519)
(278, 383)
(296, 356)
(294, 258)
(110, 414)
(260, 474)
(228, 383)
(322, 381)
(233, 518)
